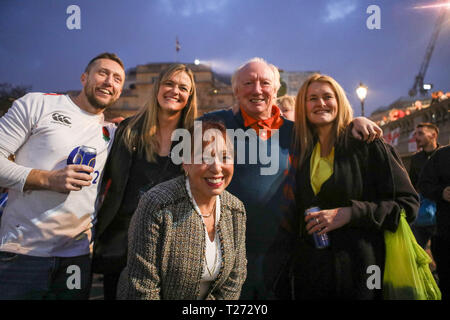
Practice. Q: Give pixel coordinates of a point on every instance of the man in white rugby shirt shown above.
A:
(45, 230)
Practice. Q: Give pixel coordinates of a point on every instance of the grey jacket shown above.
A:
(166, 247)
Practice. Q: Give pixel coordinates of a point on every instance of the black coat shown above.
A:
(369, 178)
(418, 161)
(434, 179)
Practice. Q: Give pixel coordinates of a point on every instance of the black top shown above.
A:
(418, 161)
(142, 177)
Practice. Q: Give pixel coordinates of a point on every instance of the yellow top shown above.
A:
(321, 168)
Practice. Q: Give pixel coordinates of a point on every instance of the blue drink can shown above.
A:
(3, 200)
(321, 241)
(86, 156)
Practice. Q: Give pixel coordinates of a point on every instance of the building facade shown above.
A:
(294, 80)
(400, 132)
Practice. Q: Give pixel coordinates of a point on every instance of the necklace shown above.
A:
(211, 212)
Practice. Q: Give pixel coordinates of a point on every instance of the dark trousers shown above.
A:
(110, 281)
(313, 274)
(254, 287)
(423, 234)
(440, 248)
(24, 277)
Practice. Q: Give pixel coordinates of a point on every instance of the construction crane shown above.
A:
(418, 82)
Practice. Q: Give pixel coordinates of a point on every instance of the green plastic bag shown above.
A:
(407, 274)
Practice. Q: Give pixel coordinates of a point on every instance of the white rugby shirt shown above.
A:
(42, 130)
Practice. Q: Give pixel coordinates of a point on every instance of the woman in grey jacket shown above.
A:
(187, 236)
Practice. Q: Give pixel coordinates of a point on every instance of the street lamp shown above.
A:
(196, 62)
(361, 91)
(426, 88)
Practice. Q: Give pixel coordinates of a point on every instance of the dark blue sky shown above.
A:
(37, 49)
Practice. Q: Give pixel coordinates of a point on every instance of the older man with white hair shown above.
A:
(261, 167)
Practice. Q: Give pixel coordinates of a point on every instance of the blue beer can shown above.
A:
(320, 241)
(3, 200)
(86, 156)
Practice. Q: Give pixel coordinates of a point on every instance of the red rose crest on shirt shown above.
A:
(106, 136)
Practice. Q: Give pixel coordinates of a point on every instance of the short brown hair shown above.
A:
(428, 125)
(209, 124)
(104, 55)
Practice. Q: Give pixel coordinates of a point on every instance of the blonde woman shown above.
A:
(287, 107)
(360, 189)
(139, 159)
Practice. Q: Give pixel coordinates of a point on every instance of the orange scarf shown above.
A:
(273, 123)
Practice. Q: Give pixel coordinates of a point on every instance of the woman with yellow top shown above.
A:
(360, 189)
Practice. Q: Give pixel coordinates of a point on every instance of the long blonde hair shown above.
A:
(305, 133)
(140, 132)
